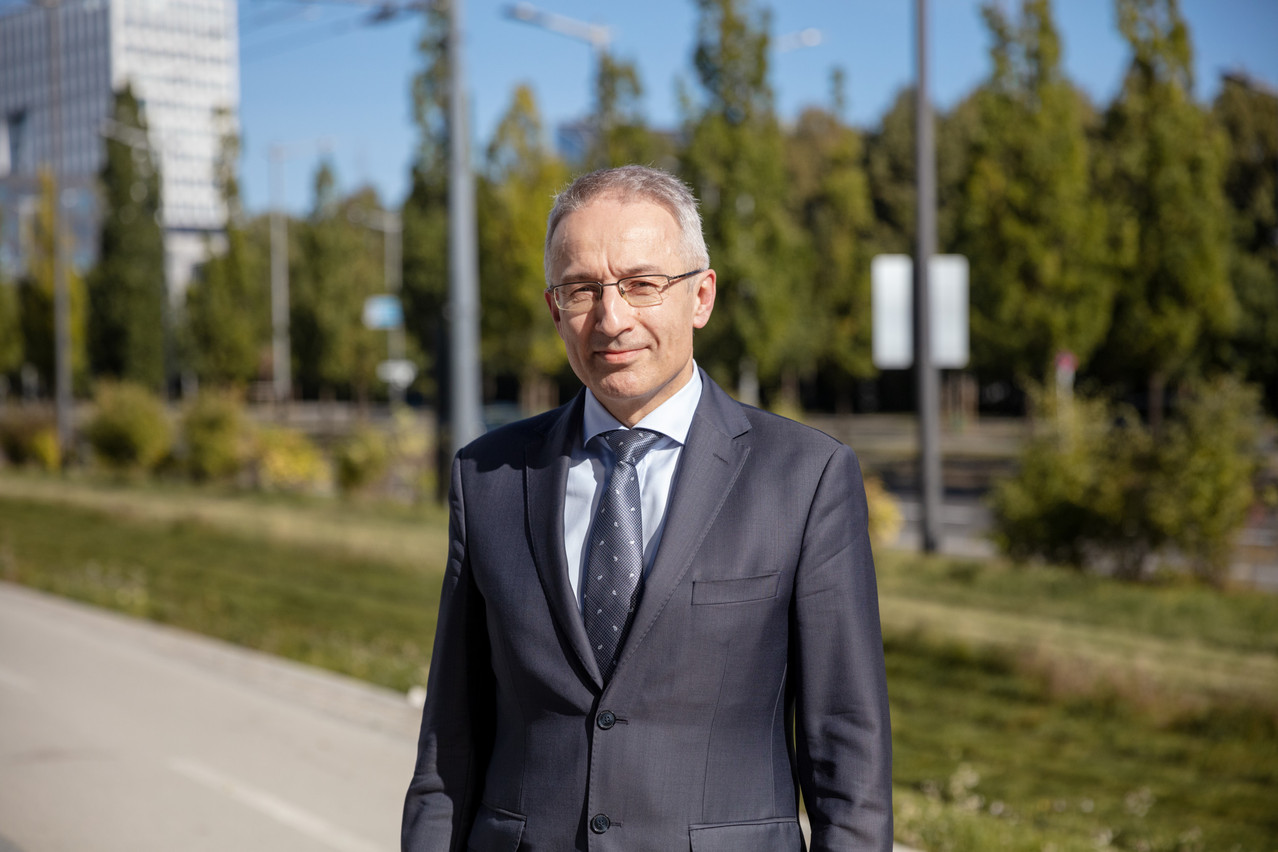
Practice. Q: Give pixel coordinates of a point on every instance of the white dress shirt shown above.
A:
(588, 471)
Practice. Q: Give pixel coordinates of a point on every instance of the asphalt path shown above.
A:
(123, 735)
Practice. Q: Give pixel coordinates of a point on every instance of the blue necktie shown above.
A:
(611, 588)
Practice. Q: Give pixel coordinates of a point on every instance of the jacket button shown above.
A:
(606, 720)
(600, 823)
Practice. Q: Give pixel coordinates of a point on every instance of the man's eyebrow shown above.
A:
(628, 272)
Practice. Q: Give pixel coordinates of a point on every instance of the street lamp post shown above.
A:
(926, 384)
(391, 227)
(63, 401)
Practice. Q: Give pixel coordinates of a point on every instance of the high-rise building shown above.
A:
(181, 59)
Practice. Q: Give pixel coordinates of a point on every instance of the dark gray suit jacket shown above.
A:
(759, 618)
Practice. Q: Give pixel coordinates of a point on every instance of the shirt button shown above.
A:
(600, 823)
(606, 720)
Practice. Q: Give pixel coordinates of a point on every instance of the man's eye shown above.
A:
(578, 291)
(643, 286)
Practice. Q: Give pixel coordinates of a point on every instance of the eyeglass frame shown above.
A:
(671, 280)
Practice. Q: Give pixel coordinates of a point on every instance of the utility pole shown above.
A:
(391, 227)
(281, 367)
(463, 260)
(926, 384)
(63, 401)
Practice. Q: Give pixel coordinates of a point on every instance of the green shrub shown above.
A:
(215, 436)
(361, 459)
(1094, 485)
(130, 429)
(286, 460)
(1207, 461)
(29, 435)
(885, 514)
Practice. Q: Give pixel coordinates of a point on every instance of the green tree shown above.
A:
(36, 296)
(338, 266)
(514, 198)
(1248, 115)
(1164, 171)
(425, 210)
(621, 134)
(227, 314)
(889, 166)
(10, 326)
(1030, 225)
(830, 198)
(127, 293)
(735, 160)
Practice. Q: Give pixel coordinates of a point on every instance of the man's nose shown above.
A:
(613, 314)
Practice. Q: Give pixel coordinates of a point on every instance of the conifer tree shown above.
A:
(127, 293)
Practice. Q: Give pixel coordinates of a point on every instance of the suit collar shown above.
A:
(545, 480)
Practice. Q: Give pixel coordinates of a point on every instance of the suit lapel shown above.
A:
(709, 465)
(545, 482)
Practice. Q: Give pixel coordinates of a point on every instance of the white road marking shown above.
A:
(281, 811)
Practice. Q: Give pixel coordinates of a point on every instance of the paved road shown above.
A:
(120, 735)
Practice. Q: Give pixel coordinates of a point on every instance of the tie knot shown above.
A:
(630, 445)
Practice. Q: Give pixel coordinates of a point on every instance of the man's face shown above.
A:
(633, 359)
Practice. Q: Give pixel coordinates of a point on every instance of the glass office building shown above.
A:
(181, 58)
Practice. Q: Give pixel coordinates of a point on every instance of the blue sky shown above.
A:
(316, 77)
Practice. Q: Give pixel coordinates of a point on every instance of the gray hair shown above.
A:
(634, 183)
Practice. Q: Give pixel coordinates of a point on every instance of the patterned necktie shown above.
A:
(616, 549)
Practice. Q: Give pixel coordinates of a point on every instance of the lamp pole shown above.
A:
(926, 385)
(63, 401)
(463, 253)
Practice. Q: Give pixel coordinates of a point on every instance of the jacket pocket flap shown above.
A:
(495, 831)
(778, 835)
(736, 590)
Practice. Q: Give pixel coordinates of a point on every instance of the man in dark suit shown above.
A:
(659, 619)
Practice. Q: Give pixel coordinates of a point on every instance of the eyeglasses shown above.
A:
(639, 291)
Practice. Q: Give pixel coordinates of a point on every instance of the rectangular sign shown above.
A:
(892, 310)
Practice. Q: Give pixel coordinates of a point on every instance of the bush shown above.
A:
(29, 435)
(1207, 461)
(361, 459)
(1095, 485)
(885, 514)
(286, 460)
(214, 434)
(131, 429)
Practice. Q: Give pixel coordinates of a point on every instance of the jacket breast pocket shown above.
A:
(736, 590)
(777, 835)
(495, 831)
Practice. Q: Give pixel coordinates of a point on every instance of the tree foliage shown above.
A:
(521, 178)
(36, 296)
(227, 321)
(338, 265)
(127, 292)
(735, 161)
(1031, 227)
(1162, 168)
(1248, 116)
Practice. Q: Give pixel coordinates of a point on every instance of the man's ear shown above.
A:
(703, 299)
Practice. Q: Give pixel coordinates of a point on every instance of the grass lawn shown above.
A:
(1032, 709)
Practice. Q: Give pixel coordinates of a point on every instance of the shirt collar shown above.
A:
(673, 418)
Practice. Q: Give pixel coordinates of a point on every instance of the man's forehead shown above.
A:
(611, 222)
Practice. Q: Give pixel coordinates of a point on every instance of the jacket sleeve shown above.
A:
(842, 729)
(457, 721)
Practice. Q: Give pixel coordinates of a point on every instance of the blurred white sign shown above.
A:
(397, 372)
(892, 310)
